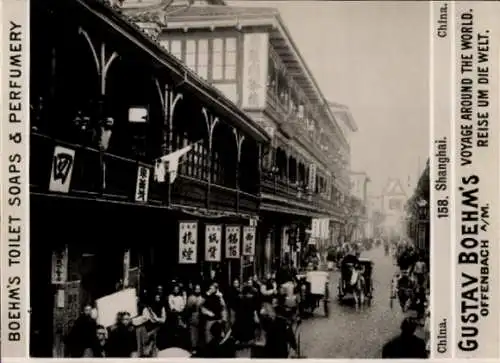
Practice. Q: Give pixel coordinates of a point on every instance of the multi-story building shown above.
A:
(107, 103)
(250, 56)
(359, 198)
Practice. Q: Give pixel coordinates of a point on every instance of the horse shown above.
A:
(353, 283)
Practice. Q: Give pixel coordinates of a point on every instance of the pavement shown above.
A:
(348, 333)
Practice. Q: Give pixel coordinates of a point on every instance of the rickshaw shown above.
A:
(314, 289)
(356, 280)
(366, 267)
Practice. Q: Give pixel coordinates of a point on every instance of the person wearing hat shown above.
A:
(407, 344)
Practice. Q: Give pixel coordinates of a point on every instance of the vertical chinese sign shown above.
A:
(213, 243)
(142, 186)
(188, 242)
(233, 242)
(60, 266)
(62, 169)
(248, 241)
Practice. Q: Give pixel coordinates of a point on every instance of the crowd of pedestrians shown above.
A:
(203, 318)
(411, 287)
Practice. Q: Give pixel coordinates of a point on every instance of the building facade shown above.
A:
(103, 215)
(250, 57)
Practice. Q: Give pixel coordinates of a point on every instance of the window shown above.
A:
(176, 48)
(224, 59)
(395, 204)
(202, 68)
(218, 62)
(191, 54)
(230, 59)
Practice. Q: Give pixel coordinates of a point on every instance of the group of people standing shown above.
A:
(202, 318)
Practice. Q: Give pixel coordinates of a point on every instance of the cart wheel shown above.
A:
(326, 306)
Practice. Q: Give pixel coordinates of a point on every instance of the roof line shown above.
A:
(173, 64)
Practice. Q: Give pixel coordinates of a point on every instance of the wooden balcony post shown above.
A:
(239, 142)
(210, 121)
(102, 63)
(168, 99)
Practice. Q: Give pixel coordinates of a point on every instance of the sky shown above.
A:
(374, 58)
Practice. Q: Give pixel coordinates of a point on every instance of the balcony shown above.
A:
(313, 203)
(121, 180)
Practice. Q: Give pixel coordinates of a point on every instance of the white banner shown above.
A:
(312, 177)
(315, 228)
(248, 241)
(62, 169)
(213, 243)
(233, 242)
(188, 242)
(60, 266)
(142, 185)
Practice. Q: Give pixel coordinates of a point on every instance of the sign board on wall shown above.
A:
(233, 242)
(188, 242)
(62, 169)
(142, 185)
(248, 241)
(60, 266)
(213, 242)
(255, 62)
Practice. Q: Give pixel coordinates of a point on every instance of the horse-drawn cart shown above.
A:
(314, 287)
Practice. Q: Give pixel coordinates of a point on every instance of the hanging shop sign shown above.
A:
(233, 241)
(248, 241)
(188, 242)
(62, 169)
(60, 266)
(315, 228)
(312, 178)
(213, 243)
(142, 185)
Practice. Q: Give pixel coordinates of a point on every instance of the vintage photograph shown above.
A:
(222, 179)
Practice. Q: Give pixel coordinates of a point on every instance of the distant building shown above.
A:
(393, 199)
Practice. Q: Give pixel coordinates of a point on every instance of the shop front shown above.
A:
(128, 169)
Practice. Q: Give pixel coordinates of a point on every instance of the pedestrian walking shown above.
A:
(99, 348)
(279, 336)
(247, 319)
(155, 316)
(406, 345)
(82, 334)
(233, 297)
(194, 302)
(220, 346)
(122, 341)
(212, 310)
(175, 323)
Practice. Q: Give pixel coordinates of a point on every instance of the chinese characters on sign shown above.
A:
(142, 186)
(60, 266)
(62, 169)
(213, 243)
(188, 242)
(255, 70)
(248, 241)
(315, 228)
(233, 242)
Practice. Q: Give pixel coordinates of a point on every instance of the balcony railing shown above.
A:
(272, 184)
(121, 180)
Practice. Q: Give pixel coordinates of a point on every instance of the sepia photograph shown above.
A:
(229, 179)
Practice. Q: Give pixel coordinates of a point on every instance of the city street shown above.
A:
(348, 333)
